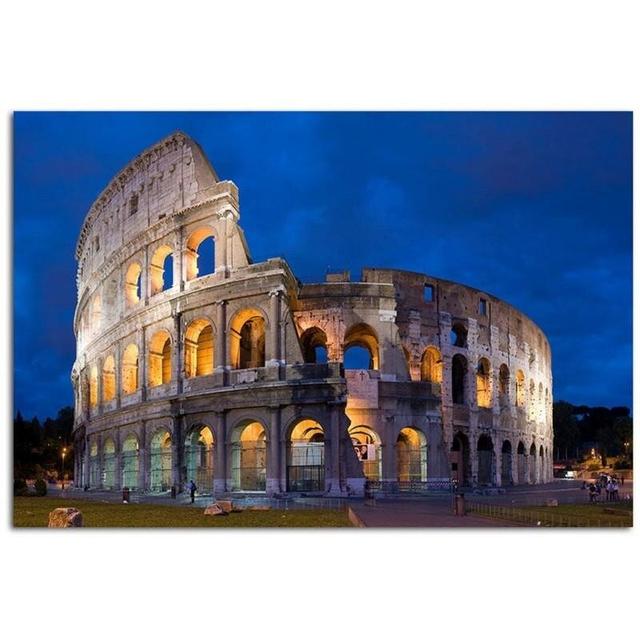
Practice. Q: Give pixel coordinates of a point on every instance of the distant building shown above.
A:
(193, 362)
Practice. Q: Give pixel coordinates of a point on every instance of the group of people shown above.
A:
(610, 484)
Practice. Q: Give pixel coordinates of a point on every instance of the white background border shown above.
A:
(294, 55)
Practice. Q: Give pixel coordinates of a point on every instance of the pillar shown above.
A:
(142, 364)
(220, 446)
(144, 465)
(176, 452)
(497, 461)
(273, 453)
(221, 336)
(273, 353)
(178, 361)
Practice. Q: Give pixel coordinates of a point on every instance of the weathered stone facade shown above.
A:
(236, 378)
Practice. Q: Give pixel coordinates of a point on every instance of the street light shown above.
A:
(64, 453)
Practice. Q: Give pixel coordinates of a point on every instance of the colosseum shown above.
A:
(196, 363)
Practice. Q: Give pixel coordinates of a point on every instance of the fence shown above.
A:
(553, 516)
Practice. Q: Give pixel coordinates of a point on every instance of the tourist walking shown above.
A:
(609, 490)
(614, 490)
(592, 492)
(192, 491)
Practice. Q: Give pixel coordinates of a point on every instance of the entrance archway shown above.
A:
(521, 464)
(460, 462)
(368, 448)
(532, 465)
(94, 469)
(411, 456)
(130, 462)
(109, 464)
(160, 461)
(305, 457)
(485, 460)
(198, 453)
(249, 458)
(506, 476)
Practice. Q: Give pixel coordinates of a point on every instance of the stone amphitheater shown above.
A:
(195, 363)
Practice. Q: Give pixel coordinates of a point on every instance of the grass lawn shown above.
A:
(34, 512)
(568, 515)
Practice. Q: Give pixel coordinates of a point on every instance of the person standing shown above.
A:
(192, 491)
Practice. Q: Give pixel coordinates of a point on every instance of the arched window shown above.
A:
(533, 464)
(94, 468)
(133, 284)
(160, 359)
(314, 345)
(520, 391)
(532, 401)
(458, 379)
(130, 462)
(431, 365)
(108, 464)
(361, 348)
(198, 356)
(247, 337)
(486, 460)
(483, 383)
(161, 269)
(411, 455)
(93, 387)
(130, 369)
(305, 457)
(503, 380)
(200, 254)
(109, 379)
(458, 335)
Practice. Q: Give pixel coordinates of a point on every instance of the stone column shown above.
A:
(99, 390)
(473, 457)
(144, 465)
(514, 464)
(389, 464)
(176, 452)
(142, 364)
(178, 260)
(221, 336)
(178, 361)
(273, 453)
(117, 381)
(146, 282)
(497, 473)
(117, 463)
(220, 462)
(273, 349)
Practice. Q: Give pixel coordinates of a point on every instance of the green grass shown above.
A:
(568, 515)
(34, 512)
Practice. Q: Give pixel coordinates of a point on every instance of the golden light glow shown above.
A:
(198, 352)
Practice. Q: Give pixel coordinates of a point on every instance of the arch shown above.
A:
(520, 392)
(368, 447)
(483, 383)
(249, 457)
(532, 464)
(199, 456)
(361, 336)
(160, 461)
(247, 338)
(133, 284)
(460, 460)
(431, 365)
(411, 455)
(96, 313)
(520, 463)
(93, 386)
(314, 345)
(458, 335)
(94, 467)
(130, 369)
(503, 380)
(198, 348)
(532, 401)
(506, 475)
(161, 269)
(305, 456)
(109, 464)
(160, 358)
(109, 379)
(486, 460)
(458, 379)
(195, 264)
(130, 461)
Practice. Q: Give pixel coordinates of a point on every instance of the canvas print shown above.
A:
(293, 319)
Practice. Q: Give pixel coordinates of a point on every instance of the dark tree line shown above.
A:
(578, 427)
(37, 447)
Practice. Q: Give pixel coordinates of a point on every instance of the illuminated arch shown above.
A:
(160, 460)
(199, 456)
(305, 457)
(431, 365)
(133, 284)
(109, 464)
(198, 352)
(130, 369)
(483, 383)
(411, 455)
(130, 461)
(363, 436)
(247, 339)
(160, 358)
(249, 457)
(93, 386)
(362, 336)
(194, 266)
(314, 345)
(109, 379)
(520, 390)
(161, 261)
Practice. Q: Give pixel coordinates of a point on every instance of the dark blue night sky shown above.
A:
(535, 208)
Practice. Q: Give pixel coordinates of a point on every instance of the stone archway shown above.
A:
(305, 457)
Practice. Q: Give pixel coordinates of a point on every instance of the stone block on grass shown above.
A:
(64, 517)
